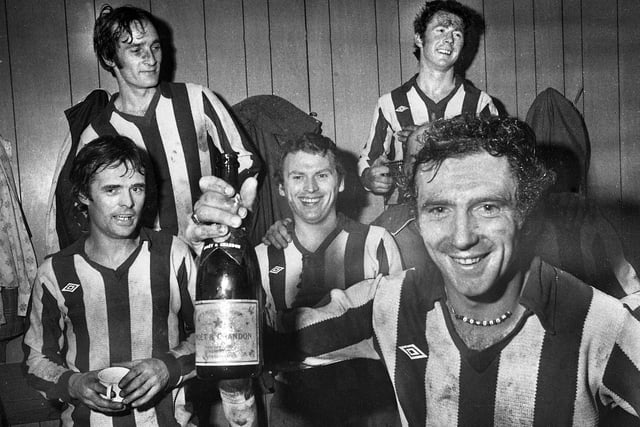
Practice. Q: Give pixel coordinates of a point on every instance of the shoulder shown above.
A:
(394, 218)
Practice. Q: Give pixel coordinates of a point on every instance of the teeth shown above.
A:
(466, 261)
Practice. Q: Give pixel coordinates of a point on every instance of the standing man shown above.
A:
(183, 126)
(496, 337)
(435, 92)
(121, 295)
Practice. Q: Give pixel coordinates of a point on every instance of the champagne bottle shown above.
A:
(228, 308)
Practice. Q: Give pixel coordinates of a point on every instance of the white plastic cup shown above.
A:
(110, 377)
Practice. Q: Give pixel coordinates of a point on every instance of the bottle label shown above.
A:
(227, 332)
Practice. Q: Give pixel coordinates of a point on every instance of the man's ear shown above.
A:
(83, 199)
(341, 187)
(281, 190)
(417, 40)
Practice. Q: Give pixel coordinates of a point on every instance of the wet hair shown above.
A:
(101, 153)
(310, 143)
(109, 28)
(500, 137)
(471, 20)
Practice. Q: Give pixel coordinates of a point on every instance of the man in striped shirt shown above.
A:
(493, 336)
(435, 92)
(328, 251)
(120, 296)
(183, 126)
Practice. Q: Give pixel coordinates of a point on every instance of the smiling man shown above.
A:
(494, 337)
(121, 295)
(435, 92)
(328, 251)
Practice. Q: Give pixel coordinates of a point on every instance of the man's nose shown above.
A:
(150, 57)
(126, 199)
(464, 232)
(310, 185)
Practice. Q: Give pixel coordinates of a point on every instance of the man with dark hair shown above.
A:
(183, 126)
(436, 92)
(494, 336)
(122, 295)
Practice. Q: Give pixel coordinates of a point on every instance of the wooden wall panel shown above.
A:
(548, 36)
(477, 72)
(7, 123)
(37, 29)
(407, 11)
(525, 56)
(354, 68)
(628, 19)
(601, 100)
(572, 50)
(83, 64)
(227, 72)
(257, 47)
(500, 53)
(186, 23)
(389, 46)
(320, 64)
(290, 73)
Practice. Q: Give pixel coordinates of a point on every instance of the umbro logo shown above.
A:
(275, 270)
(412, 351)
(402, 109)
(70, 287)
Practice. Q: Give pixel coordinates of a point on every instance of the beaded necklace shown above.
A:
(476, 322)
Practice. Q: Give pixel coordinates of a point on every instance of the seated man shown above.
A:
(496, 337)
(329, 251)
(121, 295)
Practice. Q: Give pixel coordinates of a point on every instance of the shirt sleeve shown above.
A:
(46, 369)
(226, 136)
(622, 373)
(378, 142)
(180, 359)
(389, 258)
(339, 328)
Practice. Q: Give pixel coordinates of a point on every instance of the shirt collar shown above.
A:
(538, 295)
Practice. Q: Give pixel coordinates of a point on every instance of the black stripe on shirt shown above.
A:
(354, 257)
(474, 406)
(383, 260)
(558, 371)
(210, 112)
(471, 98)
(188, 138)
(410, 373)
(618, 376)
(377, 143)
(65, 270)
(401, 101)
(159, 266)
(118, 313)
(277, 281)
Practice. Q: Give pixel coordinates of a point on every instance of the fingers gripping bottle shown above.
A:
(228, 307)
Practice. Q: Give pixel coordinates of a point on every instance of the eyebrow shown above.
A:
(295, 172)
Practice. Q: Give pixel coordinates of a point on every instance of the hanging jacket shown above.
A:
(269, 121)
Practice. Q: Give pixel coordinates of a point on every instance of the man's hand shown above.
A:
(87, 389)
(218, 209)
(376, 178)
(146, 378)
(403, 135)
(278, 234)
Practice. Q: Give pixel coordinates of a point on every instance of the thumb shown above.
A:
(380, 160)
(249, 192)
(124, 364)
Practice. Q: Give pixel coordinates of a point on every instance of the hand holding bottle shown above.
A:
(218, 209)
